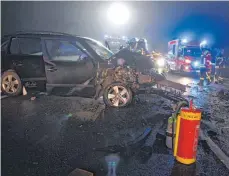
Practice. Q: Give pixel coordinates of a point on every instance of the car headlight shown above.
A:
(161, 62)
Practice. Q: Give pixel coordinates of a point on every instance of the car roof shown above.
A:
(41, 34)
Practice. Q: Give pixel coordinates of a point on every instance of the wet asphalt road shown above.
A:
(48, 137)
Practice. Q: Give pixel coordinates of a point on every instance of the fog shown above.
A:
(157, 21)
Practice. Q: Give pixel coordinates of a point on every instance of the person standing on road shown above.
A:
(205, 68)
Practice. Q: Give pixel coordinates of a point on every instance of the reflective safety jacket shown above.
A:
(206, 61)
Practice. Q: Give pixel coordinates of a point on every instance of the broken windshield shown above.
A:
(98, 47)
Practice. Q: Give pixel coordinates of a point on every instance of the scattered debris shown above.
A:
(80, 172)
(24, 92)
(32, 98)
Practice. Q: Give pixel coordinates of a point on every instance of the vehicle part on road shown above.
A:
(11, 83)
(187, 134)
(117, 95)
(24, 92)
(80, 172)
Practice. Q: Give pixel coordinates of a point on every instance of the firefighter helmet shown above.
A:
(132, 41)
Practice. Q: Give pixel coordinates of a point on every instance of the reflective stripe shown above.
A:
(201, 78)
(185, 160)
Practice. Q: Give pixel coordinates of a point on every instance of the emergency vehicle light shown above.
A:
(204, 42)
(187, 61)
(184, 40)
(196, 64)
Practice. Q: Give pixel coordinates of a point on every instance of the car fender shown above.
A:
(10, 70)
(108, 76)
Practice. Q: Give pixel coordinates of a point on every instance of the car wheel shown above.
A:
(117, 95)
(11, 83)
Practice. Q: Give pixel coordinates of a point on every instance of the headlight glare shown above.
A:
(161, 62)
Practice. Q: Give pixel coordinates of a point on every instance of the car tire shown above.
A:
(117, 95)
(11, 84)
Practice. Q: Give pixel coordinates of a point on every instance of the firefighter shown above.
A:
(142, 47)
(132, 44)
(205, 68)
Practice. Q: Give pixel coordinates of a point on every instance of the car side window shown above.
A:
(62, 50)
(30, 46)
(14, 46)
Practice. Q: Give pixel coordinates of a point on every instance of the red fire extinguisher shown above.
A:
(187, 133)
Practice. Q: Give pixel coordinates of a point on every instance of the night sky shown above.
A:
(157, 21)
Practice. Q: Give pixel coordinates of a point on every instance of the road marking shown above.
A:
(215, 148)
(3, 96)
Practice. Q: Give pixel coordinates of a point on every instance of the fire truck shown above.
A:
(184, 56)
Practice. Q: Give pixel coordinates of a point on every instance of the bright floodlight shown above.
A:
(118, 13)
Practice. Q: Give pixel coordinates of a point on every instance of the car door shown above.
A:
(67, 64)
(25, 56)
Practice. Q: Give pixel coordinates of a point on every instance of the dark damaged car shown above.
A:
(72, 65)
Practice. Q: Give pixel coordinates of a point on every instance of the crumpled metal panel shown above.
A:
(142, 79)
(170, 84)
